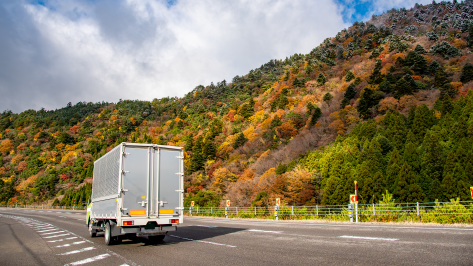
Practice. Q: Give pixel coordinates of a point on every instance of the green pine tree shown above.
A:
(321, 79)
(349, 76)
(467, 73)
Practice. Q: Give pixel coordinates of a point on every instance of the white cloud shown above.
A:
(72, 51)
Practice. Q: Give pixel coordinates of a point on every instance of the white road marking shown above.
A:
(80, 262)
(68, 245)
(77, 251)
(53, 233)
(370, 238)
(335, 225)
(263, 231)
(49, 229)
(207, 242)
(124, 265)
(59, 240)
(209, 226)
(56, 236)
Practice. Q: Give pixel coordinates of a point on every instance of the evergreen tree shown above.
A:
(321, 79)
(467, 73)
(420, 49)
(209, 149)
(327, 97)
(403, 87)
(412, 157)
(470, 35)
(392, 171)
(197, 158)
(315, 116)
(350, 93)
(396, 132)
(423, 120)
(240, 140)
(432, 162)
(376, 77)
(407, 189)
(349, 76)
(441, 78)
(434, 66)
(436, 191)
(447, 105)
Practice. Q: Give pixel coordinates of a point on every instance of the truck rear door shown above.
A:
(136, 166)
(169, 178)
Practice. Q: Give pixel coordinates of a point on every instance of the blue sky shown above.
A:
(59, 51)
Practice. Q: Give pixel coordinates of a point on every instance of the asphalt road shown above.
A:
(44, 237)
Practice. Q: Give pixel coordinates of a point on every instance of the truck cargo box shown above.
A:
(137, 189)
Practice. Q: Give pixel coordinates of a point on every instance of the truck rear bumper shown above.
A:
(159, 230)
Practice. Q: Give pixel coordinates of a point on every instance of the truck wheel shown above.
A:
(92, 232)
(156, 239)
(108, 234)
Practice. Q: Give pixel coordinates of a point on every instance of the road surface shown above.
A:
(48, 237)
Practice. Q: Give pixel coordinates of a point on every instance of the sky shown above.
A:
(53, 52)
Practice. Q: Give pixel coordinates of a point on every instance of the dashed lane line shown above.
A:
(264, 231)
(207, 242)
(77, 251)
(80, 262)
(59, 240)
(370, 238)
(68, 245)
(57, 236)
(50, 233)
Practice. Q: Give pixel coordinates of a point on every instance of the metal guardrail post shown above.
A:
(236, 210)
(255, 211)
(374, 212)
(317, 209)
(211, 210)
(418, 213)
(292, 209)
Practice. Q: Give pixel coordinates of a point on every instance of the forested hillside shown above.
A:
(387, 102)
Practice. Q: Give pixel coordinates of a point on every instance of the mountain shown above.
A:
(386, 102)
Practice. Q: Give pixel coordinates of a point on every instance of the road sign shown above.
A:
(228, 203)
(192, 203)
(278, 201)
(352, 199)
(471, 190)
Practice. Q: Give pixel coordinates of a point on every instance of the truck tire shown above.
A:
(108, 234)
(156, 239)
(92, 232)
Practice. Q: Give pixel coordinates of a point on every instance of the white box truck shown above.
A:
(137, 190)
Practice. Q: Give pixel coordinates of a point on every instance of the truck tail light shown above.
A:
(127, 222)
(174, 221)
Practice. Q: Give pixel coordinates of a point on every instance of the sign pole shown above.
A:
(227, 208)
(356, 202)
(276, 209)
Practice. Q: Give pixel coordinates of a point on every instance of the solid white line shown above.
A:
(99, 257)
(77, 251)
(370, 238)
(52, 233)
(59, 240)
(208, 242)
(263, 231)
(68, 245)
(334, 225)
(56, 236)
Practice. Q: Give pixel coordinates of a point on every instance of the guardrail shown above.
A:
(332, 211)
(45, 207)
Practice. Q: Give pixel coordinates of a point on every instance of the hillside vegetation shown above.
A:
(387, 103)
